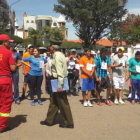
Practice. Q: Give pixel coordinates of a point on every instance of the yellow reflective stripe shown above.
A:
(5, 114)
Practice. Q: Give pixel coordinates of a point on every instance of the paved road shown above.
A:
(116, 122)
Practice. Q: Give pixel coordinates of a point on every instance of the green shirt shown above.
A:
(59, 68)
(132, 68)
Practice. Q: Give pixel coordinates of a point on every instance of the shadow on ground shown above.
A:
(17, 121)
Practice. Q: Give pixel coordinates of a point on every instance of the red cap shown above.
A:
(5, 37)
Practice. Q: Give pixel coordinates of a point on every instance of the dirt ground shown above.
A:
(116, 122)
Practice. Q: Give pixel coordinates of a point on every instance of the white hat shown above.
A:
(56, 46)
(29, 46)
(73, 50)
(93, 52)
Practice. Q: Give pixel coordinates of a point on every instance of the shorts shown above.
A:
(26, 79)
(105, 83)
(87, 84)
(118, 83)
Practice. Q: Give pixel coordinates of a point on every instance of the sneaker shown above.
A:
(136, 96)
(32, 102)
(108, 102)
(89, 104)
(17, 102)
(40, 102)
(121, 101)
(116, 101)
(130, 95)
(85, 104)
(99, 103)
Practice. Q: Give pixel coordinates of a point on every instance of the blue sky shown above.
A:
(45, 7)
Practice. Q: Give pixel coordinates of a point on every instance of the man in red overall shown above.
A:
(7, 64)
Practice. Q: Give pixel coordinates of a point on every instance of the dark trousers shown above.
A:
(35, 83)
(72, 78)
(59, 101)
(48, 86)
(135, 85)
(15, 78)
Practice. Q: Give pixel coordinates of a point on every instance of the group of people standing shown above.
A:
(63, 74)
(104, 73)
(101, 72)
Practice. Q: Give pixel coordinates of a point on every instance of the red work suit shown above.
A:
(6, 93)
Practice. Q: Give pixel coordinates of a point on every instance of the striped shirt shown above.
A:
(101, 65)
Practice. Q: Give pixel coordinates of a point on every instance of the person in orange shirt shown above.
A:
(26, 70)
(87, 65)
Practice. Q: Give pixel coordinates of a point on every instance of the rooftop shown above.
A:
(102, 42)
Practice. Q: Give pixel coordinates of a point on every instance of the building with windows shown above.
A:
(38, 22)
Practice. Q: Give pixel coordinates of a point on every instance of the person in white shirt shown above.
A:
(119, 65)
(73, 75)
(48, 74)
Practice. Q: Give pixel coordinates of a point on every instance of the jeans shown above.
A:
(35, 83)
(15, 78)
(135, 85)
(72, 78)
(48, 85)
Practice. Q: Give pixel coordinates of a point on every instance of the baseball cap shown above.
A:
(6, 38)
(121, 48)
(73, 50)
(56, 46)
(29, 45)
(93, 52)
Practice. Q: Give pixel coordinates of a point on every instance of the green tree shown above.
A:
(115, 32)
(17, 40)
(47, 36)
(52, 36)
(56, 37)
(36, 35)
(91, 18)
(131, 30)
(70, 45)
(28, 41)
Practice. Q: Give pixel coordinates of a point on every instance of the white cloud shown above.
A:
(134, 11)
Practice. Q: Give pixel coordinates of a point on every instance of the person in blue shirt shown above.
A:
(35, 74)
(103, 63)
(134, 68)
(15, 75)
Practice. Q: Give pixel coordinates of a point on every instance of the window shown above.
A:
(32, 21)
(54, 24)
(27, 21)
(47, 22)
(39, 24)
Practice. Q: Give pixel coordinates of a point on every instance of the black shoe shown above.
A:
(5, 130)
(66, 126)
(45, 123)
(23, 96)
